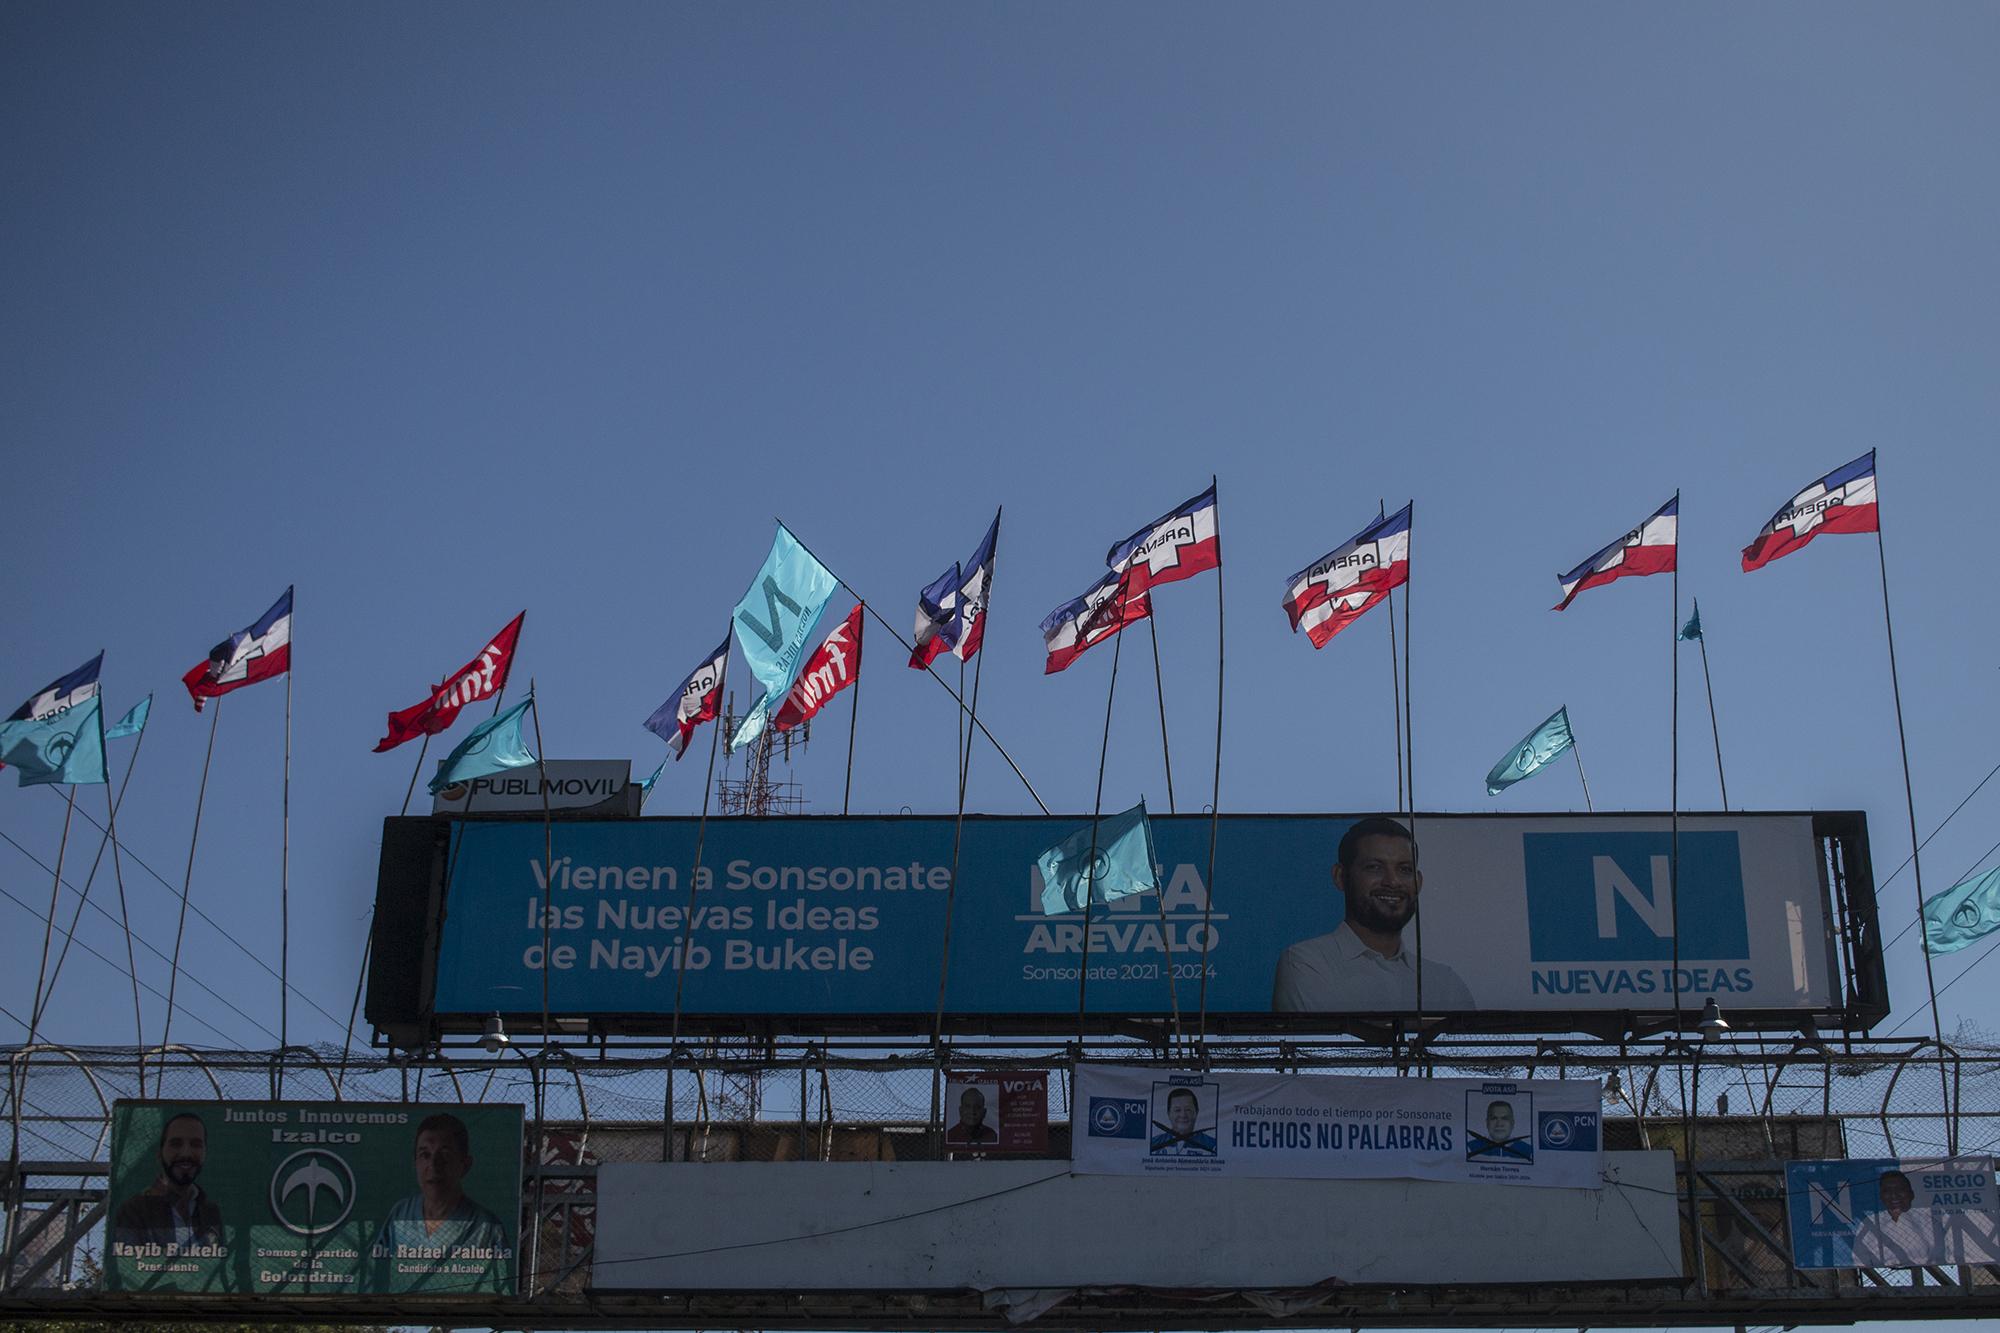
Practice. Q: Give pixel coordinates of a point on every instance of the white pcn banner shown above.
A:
(1134, 1121)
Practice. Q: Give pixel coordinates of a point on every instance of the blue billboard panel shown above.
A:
(837, 917)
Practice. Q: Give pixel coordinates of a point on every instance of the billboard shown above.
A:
(320, 1198)
(811, 921)
(1142, 1121)
(1016, 1229)
(1889, 1212)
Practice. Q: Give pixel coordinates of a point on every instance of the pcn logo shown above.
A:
(1608, 897)
(312, 1192)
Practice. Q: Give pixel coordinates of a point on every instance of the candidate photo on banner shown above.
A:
(1500, 1126)
(1185, 1116)
(977, 1104)
(1893, 1212)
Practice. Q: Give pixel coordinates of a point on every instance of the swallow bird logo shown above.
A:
(312, 1192)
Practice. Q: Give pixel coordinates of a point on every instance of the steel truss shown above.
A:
(1801, 1097)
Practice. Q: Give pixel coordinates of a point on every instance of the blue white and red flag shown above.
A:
(1083, 622)
(1650, 548)
(937, 615)
(696, 700)
(1177, 545)
(259, 652)
(1338, 588)
(1841, 501)
(61, 694)
(951, 612)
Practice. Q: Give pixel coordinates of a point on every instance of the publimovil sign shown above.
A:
(603, 785)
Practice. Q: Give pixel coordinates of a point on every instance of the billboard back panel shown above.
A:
(995, 1226)
(824, 918)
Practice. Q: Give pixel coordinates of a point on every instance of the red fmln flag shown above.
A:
(826, 673)
(259, 652)
(481, 678)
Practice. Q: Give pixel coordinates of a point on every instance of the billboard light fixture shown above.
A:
(494, 1037)
(1713, 1024)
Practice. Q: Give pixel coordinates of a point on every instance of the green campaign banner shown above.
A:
(332, 1198)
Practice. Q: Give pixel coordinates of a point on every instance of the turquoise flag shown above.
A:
(67, 747)
(493, 746)
(1692, 630)
(775, 620)
(1533, 754)
(1963, 913)
(646, 783)
(1125, 863)
(133, 722)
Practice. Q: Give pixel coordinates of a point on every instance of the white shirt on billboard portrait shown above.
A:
(1338, 973)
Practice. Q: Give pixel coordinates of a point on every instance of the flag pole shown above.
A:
(853, 718)
(1708, 682)
(694, 880)
(958, 823)
(285, 890)
(1160, 690)
(1674, 777)
(1410, 753)
(1576, 753)
(928, 670)
(124, 915)
(1395, 685)
(118, 874)
(1215, 790)
(187, 883)
(541, 1057)
(49, 926)
(1097, 814)
(1916, 847)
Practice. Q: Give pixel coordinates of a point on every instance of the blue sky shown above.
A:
(443, 312)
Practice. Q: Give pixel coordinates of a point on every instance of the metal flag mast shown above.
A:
(964, 772)
(1916, 847)
(285, 876)
(1215, 789)
(49, 926)
(1091, 868)
(694, 883)
(187, 882)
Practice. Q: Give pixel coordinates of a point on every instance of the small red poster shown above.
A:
(1000, 1112)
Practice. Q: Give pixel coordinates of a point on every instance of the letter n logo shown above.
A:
(1608, 897)
(774, 597)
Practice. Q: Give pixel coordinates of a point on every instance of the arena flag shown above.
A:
(1126, 863)
(1083, 622)
(1964, 913)
(1533, 753)
(937, 613)
(61, 694)
(259, 652)
(696, 700)
(1649, 548)
(63, 747)
(1340, 587)
(775, 619)
(133, 722)
(831, 669)
(1175, 546)
(481, 678)
(951, 612)
(1841, 501)
(493, 746)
